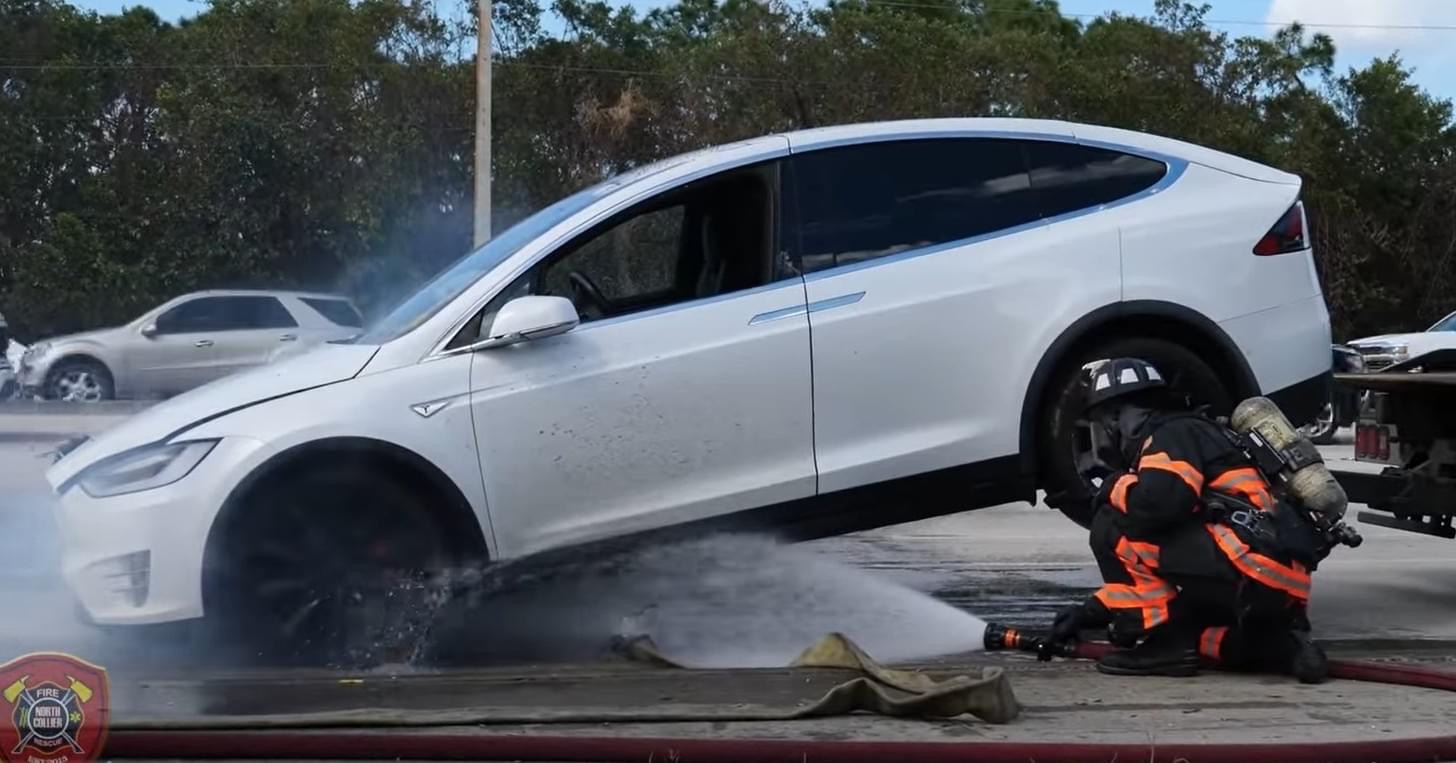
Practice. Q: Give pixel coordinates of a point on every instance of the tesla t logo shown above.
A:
(429, 409)
(58, 709)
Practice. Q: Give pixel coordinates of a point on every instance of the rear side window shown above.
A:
(338, 311)
(1068, 177)
(258, 313)
(861, 202)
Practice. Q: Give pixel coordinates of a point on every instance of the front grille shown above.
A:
(1377, 358)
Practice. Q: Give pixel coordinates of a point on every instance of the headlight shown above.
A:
(149, 467)
(1400, 351)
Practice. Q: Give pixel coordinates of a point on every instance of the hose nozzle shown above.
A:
(1000, 638)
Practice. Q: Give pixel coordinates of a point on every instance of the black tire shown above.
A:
(1057, 431)
(1322, 430)
(80, 380)
(335, 566)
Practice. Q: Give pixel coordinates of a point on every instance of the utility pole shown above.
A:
(482, 124)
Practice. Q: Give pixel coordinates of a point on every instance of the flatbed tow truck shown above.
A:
(1407, 423)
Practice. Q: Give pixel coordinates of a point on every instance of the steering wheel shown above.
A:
(586, 293)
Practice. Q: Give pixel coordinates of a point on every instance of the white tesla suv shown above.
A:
(816, 332)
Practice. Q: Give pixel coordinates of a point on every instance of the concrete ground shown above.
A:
(1393, 598)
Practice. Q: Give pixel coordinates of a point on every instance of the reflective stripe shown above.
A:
(1119, 491)
(1190, 475)
(1148, 593)
(1211, 644)
(1247, 483)
(1145, 554)
(1235, 477)
(1293, 580)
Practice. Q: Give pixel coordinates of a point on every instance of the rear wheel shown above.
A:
(1322, 430)
(335, 566)
(1062, 438)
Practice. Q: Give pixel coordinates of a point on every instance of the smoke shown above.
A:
(40, 617)
(718, 602)
(714, 602)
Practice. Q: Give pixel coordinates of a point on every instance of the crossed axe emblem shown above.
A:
(18, 691)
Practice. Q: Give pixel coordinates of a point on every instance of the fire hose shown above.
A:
(385, 744)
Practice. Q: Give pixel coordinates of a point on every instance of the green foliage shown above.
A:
(329, 143)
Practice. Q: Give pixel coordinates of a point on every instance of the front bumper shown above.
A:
(32, 372)
(137, 558)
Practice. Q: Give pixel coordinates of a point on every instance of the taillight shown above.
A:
(1372, 442)
(1287, 235)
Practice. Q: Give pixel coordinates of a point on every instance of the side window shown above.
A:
(1068, 177)
(711, 237)
(871, 200)
(225, 314)
(338, 311)
(202, 314)
(258, 313)
(635, 261)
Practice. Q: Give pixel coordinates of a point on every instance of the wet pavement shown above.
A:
(1015, 565)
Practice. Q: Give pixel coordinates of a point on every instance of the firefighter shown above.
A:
(1195, 568)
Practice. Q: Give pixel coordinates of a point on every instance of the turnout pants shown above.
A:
(1199, 582)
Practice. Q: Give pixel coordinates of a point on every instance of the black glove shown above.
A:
(1068, 624)
(1090, 467)
(1104, 492)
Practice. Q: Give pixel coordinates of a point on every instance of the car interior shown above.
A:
(711, 237)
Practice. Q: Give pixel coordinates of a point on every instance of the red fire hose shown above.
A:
(413, 744)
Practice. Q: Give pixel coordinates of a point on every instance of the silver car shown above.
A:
(185, 343)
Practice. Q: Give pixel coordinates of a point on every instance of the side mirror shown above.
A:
(527, 318)
(149, 330)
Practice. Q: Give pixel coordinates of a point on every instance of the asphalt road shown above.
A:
(729, 603)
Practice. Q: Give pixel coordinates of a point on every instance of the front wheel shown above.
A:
(80, 381)
(332, 566)
(1063, 437)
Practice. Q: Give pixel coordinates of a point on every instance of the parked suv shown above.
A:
(185, 343)
(818, 332)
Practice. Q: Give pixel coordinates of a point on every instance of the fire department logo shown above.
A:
(58, 708)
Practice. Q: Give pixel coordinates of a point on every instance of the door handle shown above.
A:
(288, 338)
(833, 302)
(202, 343)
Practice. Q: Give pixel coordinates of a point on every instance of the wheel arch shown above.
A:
(71, 356)
(446, 501)
(1153, 319)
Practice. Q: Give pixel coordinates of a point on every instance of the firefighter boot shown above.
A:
(1166, 651)
(1308, 662)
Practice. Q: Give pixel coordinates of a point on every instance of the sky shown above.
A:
(1362, 29)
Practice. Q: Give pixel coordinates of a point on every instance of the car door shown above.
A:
(252, 328)
(932, 282)
(683, 395)
(175, 353)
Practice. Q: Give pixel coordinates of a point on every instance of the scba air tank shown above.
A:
(1302, 469)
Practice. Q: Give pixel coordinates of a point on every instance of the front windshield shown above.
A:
(454, 280)
(1445, 324)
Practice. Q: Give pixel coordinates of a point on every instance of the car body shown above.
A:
(1386, 350)
(677, 388)
(184, 343)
